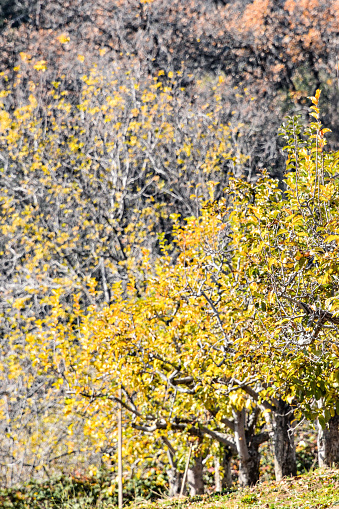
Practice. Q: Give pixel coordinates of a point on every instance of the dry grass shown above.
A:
(317, 489)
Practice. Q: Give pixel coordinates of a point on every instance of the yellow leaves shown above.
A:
(237, 400)
(41, 65)
(5, 120)
(20, 303)
(58, 383)
(33, 101)
(75, 145)
(272, 262)
(271, 298)
(297, 220)
(187, 148)
(81, 58)
(258, 248)
(93, 111)
(315, 99)
(93, 471)
(63, 39)
(148, 97)
(67, 411)
(325, 278)
(335, 349)
(111, 489)
(250, 404)
(332, 304)
(114, 101)
(25, 57)
(315, 112)
(327, 191)
(331, 238)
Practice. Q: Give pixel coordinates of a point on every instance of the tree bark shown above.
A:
(174, 480)
(240, 440)
(328, 443)
(195, 477)
(248, 450)
(222, 470)
(226, 481)
(253, 465)
(217, 475)
(174, 476)
(283, 441)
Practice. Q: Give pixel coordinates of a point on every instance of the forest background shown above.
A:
(119, 119)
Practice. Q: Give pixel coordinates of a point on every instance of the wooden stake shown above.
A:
(120, 451)
(186, 470)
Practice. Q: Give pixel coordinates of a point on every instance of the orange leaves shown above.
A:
(307, 6)
(254, 15)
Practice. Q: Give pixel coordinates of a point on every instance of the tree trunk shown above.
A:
(328, 443)
(217, 475)
(174, 480)
(222, 472)
(226, 466)
(248, 451)
(253, 465)
(195, 477)
(174, 477)
(283, 442)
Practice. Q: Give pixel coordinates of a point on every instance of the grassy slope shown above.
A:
(317, 489)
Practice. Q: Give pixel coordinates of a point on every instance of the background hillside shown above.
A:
(280, 51)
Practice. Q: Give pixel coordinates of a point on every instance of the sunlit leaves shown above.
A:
(289, 262)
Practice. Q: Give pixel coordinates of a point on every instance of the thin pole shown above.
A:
(186, 470)
(120, 451)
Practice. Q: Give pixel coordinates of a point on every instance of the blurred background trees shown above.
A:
(280, 50)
